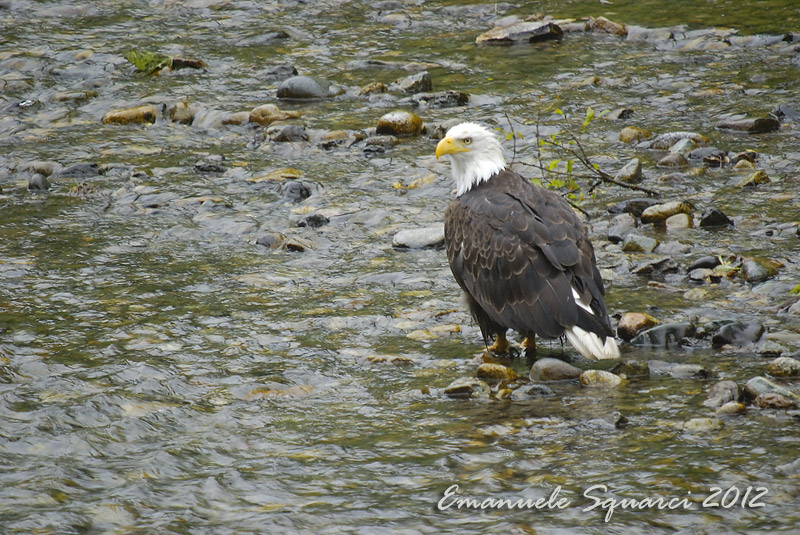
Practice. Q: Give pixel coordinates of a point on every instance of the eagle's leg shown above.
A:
(529, 344)
(500, 344)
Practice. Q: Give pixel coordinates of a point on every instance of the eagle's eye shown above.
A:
(467, 140)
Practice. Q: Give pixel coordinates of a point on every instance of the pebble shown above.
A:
(721, 393)
(673, 160)
(146, 114)
(784, 367)
(492, 373)
(306, 87)
(267, 114)
(665, 141)
(400, 124)
(665, 335)
(761, 385)
(731, 408)
(754, 179)
(38, 182)
(550, 369)
(636, 243)
(466, 388)
(772, 400)
(441, 99)
(631, 172)
(631, 134)
(660, 212)
(416, 83)
(738, 334)
(521, 32)
(632, 323)
(419, 238)
(714, 217)
(760, 125)
(600, 378)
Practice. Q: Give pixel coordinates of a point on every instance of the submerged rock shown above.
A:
(521, 32)
(673, 160)
(665, 141)
(529, 392)
(269, 113)
(630, 134)
(754, 179)
(550, 369)
(80, 170)
(721, 393)
(632, 368)
(752, 126)
(295, 191)
(286, 133)
(466, 388)
(400, 124)
(738, 334)
(137, 115)
(632, 323)
(666, 335)
(441, 99)
(38, 182)
(701, 425)
(419, 238)
(307, 87)
(416, 83)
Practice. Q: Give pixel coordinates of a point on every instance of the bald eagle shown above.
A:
(520, 253)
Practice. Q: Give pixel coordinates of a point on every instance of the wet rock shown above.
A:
(74, 96)
(655, 266)
(313, 221)
(295, 191)
(270, 240)
(269, 113)
(731, 408)
(550, 369)
(636, 243)
(737, 334)
(749, 156)
(380, 144)
(619, 114)
(754, 179)
(631, 134)
(784, 367)
(683, 147)
(721, 393)
(673, 160)
(286, 133)
(466, 388)
(631, 172)
(520, 32)
(297, 245)
(492, 373)
(704, 262)
(701, 275)
(666, 335)
(278, 72)
(702, 425)
(400, 124)
(181, 112)
(306, 87)
(713, 217)
(689, 371)
(43, 167)
(660, 212)
(772, 400)
(678, 222)
(770, 349)
(632, 368)
(600, 378)
(416, 83)
(758, 270)
(621, 226)
(372, 87)
(529, 392)
(603, 25)
(761, 385)
(632, 323)
(441, 99)
(665, 141)
(146, 114)
(419, 238)
(80, 170)
(38, 182)
(635, 207)
(210, 166)
(752, 126)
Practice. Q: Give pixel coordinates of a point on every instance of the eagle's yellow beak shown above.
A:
(450, 146)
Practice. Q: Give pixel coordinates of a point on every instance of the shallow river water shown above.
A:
(162, 371)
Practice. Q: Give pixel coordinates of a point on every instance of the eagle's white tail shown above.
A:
(589, 344)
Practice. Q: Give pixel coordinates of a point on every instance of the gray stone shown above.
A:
(416, 83)
(636, 243)
(631, 172)
(713, 217)
(419, 238)
(306, 87)
(665, 335)
(760, 125)
(761, 385)
(549, 369)
(600, 378)
(521, 32)
(738, 334)
(721, 393)
(784, 367)
(467, 387)
(38, 182)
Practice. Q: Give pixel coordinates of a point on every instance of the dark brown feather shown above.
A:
(517, 250)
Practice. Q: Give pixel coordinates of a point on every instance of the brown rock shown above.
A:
(632, 323)
(603, 25)
(269, 113)
(633, 133)
(136, 115)
(495, 373)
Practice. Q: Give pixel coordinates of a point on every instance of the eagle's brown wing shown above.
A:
(519, 250)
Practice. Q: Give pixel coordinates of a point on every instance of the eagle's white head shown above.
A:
(475, 154)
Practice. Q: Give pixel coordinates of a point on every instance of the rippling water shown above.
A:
(160, 372)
